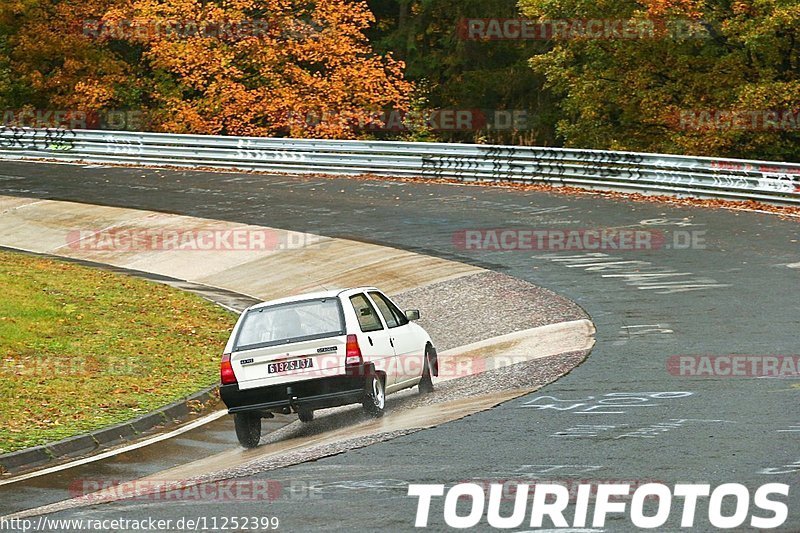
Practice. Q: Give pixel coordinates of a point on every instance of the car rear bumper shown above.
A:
(311, 394)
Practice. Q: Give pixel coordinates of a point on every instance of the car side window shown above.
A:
(388, 315)
(394, 317)
(367, 316)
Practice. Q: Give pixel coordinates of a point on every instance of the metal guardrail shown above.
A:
(622, 171)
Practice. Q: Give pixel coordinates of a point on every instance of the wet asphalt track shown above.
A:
(621, 416)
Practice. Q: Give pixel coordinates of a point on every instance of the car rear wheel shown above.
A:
(248, 429)
(305, 415)
(426, 384)
(375, 398)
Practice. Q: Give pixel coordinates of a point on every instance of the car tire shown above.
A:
(305, 415)
(248, 429)
(426, 384)
(375, 398)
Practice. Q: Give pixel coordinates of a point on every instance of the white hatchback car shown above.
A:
(322, 350)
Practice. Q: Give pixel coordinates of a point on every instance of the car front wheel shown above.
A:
(248, 429)
(375, 398)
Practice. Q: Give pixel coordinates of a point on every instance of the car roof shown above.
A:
(320, 295)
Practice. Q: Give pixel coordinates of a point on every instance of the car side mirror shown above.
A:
(412, 315)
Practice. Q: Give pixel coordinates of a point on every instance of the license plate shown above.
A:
(288, 366)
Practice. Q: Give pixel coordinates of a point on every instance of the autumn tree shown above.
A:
(739, 58)
(46, 62)
(239, 67)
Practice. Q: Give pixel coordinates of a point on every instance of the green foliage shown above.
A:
(631, 93)
(454, 73)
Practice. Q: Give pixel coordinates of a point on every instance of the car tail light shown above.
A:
(226, 371)
(353, 354)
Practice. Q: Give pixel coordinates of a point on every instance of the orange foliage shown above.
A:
(291, 61)
(275, 79)
(55, 59)
(675, 8)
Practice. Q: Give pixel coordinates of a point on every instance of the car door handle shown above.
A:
(370, 341)
(391, 341)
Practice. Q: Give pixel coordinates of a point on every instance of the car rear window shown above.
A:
(293, 322)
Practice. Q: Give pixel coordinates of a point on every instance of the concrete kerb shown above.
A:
(79, 445)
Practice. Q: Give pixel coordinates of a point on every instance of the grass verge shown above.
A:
(84, 348)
